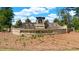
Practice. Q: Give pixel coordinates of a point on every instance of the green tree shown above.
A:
(2, 23)
(76, 9)
(75, 22)
(66, 18)
(6, 15)
(56, 20)
(18, 24)
(60, 22)
(27, 20)
(46, 23)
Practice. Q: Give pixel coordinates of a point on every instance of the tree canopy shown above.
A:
(6, 15)
(18, 24)
(46, 23)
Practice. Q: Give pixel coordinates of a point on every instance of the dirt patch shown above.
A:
(67, 41)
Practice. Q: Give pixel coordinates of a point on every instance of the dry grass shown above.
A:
(70, 41)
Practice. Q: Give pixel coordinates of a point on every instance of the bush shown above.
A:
(40, 35)
(34, 36)
(77, 30)
(22, 35)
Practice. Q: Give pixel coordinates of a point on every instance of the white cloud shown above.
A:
(38, 10)
(72, 13)
(30, 11)
(32, 18)
(22, 13)
(50, 7)
(51, 17)
(19, 18)
(34, 10)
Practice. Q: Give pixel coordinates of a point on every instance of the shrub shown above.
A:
(40, 35)
(6, 44)
(22, 35)
(34, 36)
(77, 30)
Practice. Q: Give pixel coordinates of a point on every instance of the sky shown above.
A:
(32, 12)
(50, 13)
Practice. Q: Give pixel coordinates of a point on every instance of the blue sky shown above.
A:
(50, 13)
(22, 12)
(17, 9)
(51, 9)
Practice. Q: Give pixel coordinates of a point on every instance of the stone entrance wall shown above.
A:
(38, 31)
(15, 31)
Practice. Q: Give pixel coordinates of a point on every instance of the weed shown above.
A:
(5, 39)
(34, 37)
(22, 35)
(68, 42)
(6, 44)
(16, 39)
